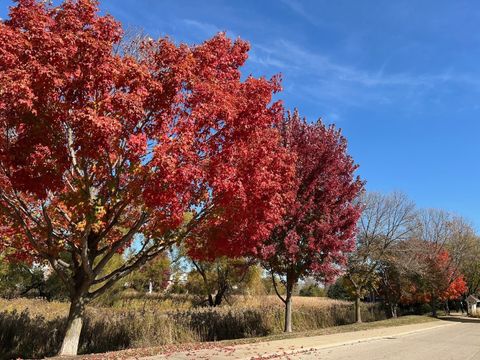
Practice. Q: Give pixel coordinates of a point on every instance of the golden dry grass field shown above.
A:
(33, 327)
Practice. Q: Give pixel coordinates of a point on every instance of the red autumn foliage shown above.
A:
(170, 132)
(100, 145)
(439, 279)
(320, 224)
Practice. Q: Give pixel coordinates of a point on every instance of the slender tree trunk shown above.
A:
(219, 297)
(291, 280)
(358, 313)
(288, 304)
(393, 308)
(74, 327)
(434, 308)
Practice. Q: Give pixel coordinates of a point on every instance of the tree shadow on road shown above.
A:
(461, 319)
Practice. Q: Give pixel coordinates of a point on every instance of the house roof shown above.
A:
(472, 299)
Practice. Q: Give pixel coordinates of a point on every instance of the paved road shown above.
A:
(456, 338)
(457, 342)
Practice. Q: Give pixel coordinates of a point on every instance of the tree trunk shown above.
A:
(434, 308)
(288, 314)
(211, 303)
(214, 301)
(74, 327)
(358, 313)
(393, 308)
(218, 299)
(288, 304)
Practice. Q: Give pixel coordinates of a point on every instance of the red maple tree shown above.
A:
(102, 145)
(438, 280)
(320, 224)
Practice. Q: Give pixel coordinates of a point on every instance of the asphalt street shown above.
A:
(457, 342)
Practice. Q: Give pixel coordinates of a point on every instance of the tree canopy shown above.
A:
(102, 144)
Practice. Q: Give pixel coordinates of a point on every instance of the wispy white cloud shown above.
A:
(332, 117)
(205, 28)
(326, 80)
(316, 77)
(321, 65)
(298, 8)
(266, 60)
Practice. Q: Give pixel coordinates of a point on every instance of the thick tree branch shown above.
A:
(120, 243)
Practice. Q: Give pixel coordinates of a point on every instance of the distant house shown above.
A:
(472, 304)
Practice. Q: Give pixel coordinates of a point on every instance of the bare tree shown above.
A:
(434, 226)
(386, 221)
(462, 242)
(470, 263)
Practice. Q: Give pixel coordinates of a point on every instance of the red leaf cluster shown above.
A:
(93, 135)
(320, 224)
(440, 279)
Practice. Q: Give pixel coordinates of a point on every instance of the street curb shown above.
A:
(340, 343)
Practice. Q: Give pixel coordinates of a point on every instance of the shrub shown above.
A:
(312, 290)
(338, 291)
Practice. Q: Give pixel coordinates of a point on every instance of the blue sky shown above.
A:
(401, 78)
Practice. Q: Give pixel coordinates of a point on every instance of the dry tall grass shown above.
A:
(33, 328)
